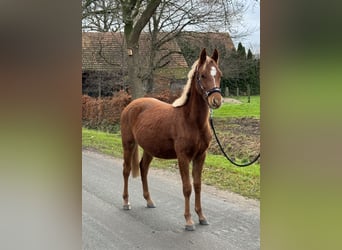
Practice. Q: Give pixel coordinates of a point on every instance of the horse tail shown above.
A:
(135, 162)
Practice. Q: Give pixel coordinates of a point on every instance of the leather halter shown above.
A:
(206, 93)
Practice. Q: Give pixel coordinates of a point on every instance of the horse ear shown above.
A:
(215, 56)
(203, 56)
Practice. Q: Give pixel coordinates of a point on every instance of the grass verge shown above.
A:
(217, 170)
(245, 109)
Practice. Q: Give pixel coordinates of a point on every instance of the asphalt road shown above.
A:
(234, 220)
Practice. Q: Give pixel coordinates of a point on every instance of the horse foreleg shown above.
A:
(144, 165)
(184, 171)
(196, 174)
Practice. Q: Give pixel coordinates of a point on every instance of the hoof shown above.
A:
(203, 222)
(189, 227)
(150, 205)
(127, 207)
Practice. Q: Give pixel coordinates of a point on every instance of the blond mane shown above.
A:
(184, 97)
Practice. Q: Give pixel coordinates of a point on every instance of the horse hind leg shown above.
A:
(144, 166)
(130, 158)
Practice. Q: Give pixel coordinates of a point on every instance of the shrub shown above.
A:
(104, 113)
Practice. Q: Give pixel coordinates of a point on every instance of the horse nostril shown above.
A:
(216, 102)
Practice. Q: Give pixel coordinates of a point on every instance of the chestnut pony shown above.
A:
(179, 130)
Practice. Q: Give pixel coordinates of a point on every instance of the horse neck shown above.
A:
(196, 109)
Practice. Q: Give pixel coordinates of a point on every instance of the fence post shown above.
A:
(249, 93)
(226, 92)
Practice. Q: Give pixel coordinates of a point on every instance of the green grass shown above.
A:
(222, 174)
(245, 109)
(103, 142)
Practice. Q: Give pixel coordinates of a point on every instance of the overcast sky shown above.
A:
(251, 21)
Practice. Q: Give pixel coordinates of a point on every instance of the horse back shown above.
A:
(144, 109)
(161, 129)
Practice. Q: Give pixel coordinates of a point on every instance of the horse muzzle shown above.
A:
(214, 98)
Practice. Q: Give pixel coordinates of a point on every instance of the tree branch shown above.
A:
(144, 18)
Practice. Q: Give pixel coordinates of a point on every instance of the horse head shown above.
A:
(208, 77)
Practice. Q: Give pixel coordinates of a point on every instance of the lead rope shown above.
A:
(222, 150)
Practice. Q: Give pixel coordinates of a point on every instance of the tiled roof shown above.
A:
(109, 44)
(111, 47)
(208, 39)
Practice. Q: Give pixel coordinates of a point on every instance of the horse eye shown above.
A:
(203, 76)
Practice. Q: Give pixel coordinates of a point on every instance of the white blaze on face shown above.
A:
(213, 73)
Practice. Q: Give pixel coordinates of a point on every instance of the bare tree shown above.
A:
(101, 15)
(165, 19)
(173, 17)
(113, 15)
(136, 15)
(166, 23)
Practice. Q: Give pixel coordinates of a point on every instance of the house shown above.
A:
(191, 44)
(104, 62)
(104, 59)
